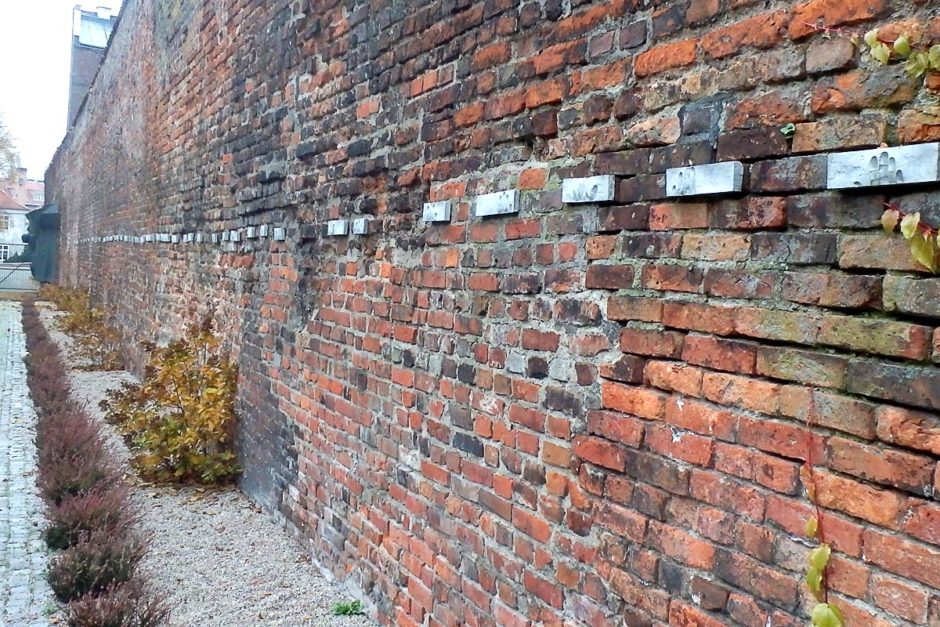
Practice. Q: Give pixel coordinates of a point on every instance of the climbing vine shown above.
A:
(921, 237)
(824, 614)
(919, 58)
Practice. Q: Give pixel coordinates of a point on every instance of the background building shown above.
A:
(13, 226)
(90, 33)
(26, 191)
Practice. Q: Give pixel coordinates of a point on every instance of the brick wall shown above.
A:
(580, 414)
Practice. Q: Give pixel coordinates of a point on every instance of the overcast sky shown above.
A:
(35, 48)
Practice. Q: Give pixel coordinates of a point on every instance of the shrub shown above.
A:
(107, 509)
(123, 605)
(73, 458)
(179, 421)
(97, 341)
(99, 560)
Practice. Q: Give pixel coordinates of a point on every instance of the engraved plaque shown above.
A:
(280, 234)
(215, 238)
(199, 238)
(251, 232)
(437, 211)
(360, 226)
(263, 230)
(496, 204)
(337, 227)
(591, 189)
(703, 180)
(165, 238)
(881, 167)
(234, 236)
(175, 238)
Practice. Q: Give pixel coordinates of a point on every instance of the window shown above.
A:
(4, 223)
(4, 252)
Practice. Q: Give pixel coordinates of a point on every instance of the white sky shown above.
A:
(35, 49)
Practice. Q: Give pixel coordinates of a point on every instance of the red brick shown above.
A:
(614, 426)
(807, 16)
(760, 31)
(917, 430)
(688, 447)
(636, 401)
(680, 545)
(600, 452)
(651, 342)
(635, 308)
(720, 354)
(903, 557)
(693, 415)
(732, 390)
(678, 216)
(897, 469)
(675, 377)
(881, 507)
(665, 57)
(899, 598)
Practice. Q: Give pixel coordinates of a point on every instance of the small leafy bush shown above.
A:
(180, 420)
(122, 605)
(107, 509)
(347, 608)
(98, 342)
(99, 560)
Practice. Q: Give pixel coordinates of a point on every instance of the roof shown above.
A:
(7, 202)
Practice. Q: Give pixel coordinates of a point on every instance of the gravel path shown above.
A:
(220, 559)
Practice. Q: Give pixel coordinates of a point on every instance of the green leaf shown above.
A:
(871, 38)
(890, 219)
(902, 46)
(812, 528)
(933, 56)
(827, 615)
(909, 225)
(881, 53)
(788, 130)
(819, 557)
(918, 64)
(924, 250)
(814, 582)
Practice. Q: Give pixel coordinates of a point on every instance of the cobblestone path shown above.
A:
(24, 593)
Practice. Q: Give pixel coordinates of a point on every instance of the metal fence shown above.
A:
(16, 277)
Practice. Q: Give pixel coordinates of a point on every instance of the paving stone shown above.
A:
(24, 593)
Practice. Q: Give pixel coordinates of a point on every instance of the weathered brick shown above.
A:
(665, 57)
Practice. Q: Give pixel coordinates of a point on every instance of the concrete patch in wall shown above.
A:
(705, 180)
(337, 227)
(496, 204)
(881, 167)
(590, 189)
(437, 211)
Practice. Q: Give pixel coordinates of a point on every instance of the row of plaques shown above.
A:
(277, 233)
(880, 167)
(900, 165)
